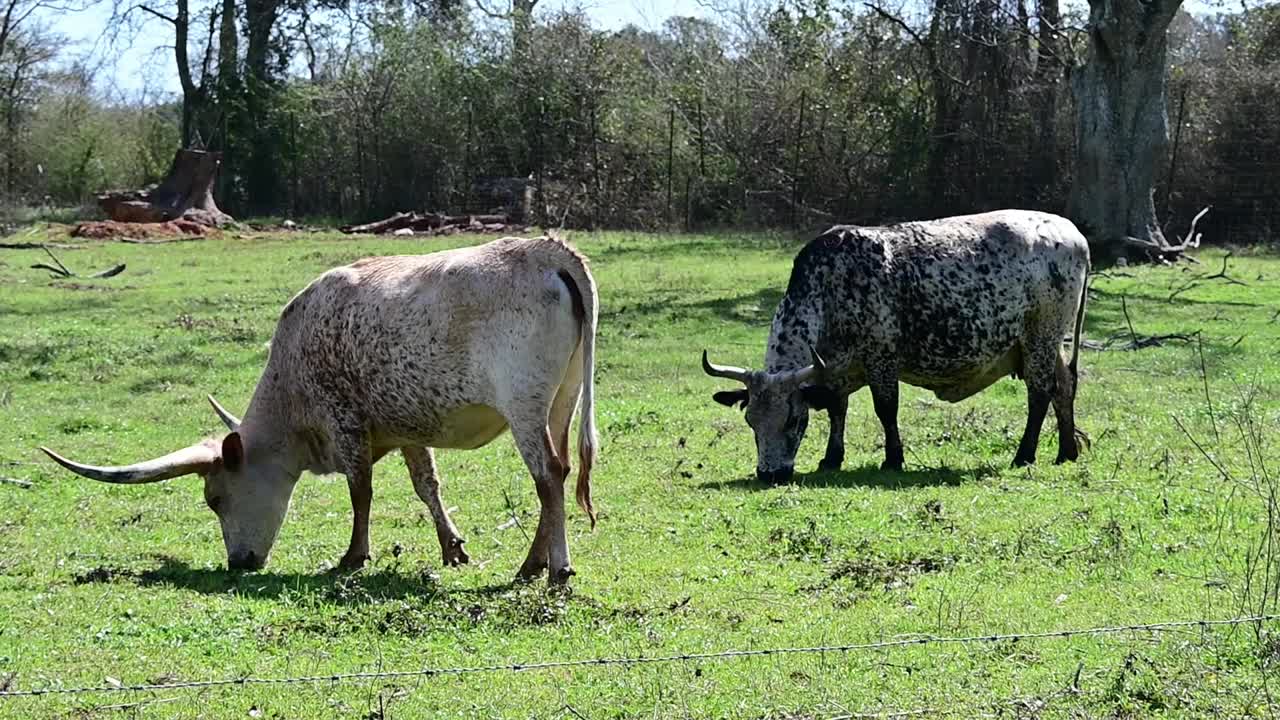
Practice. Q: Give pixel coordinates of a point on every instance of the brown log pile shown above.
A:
(430, 223)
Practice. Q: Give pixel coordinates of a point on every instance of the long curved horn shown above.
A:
(724, 371)
(231, 421)
(198, 458)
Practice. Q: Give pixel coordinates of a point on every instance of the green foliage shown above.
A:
(691, 553)
(801, 112)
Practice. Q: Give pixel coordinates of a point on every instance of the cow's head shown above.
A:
(776, 406)
(246, 485)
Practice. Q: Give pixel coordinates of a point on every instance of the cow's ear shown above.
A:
(819, 397)
(232, 452)
(729, 398)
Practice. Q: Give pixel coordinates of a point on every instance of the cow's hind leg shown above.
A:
(883, 384)
(563, 407)
(1064, 403)
(426, 482)
(550, 549)
(1039, 369)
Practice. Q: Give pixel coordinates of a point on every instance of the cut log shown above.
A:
(433, 224)
(186, 192)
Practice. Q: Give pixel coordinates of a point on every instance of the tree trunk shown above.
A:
(1047, 75)
(944, 124)
(186, 192)
(190, 95)
(258, 164)
(1121, 125)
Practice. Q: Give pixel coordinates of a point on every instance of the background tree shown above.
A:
(1121, 125)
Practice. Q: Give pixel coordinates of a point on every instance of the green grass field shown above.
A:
(103, 584)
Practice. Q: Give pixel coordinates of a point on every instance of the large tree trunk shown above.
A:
(1121, 125)
(186, 192)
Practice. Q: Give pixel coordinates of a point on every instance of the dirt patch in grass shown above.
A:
(867, 571)
(104, 574)
(91, 287)
(108, 229)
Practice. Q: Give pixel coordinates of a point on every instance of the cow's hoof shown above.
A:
(1065, 458)
(830, 464)
(352, 562)
(1021, 462)
(561, 576)
(891, 465)
(529, 572)
(454, 555)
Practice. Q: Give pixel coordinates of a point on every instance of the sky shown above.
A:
(145, 62)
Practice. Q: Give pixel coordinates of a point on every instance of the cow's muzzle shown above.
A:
(775, 477)
(247, 560)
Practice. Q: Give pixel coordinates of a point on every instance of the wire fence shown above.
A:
(432, 672)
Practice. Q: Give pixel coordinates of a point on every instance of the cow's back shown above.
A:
(950, 299)
(403, 343)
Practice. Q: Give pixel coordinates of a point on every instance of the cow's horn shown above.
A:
(198, 458)
(724, 371)
(814, 371)
(818, 363)
(231, 421)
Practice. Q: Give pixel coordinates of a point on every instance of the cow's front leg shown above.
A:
(550, 549)
(884, 395)
(426, 482)
(359, 472)
(837, 411)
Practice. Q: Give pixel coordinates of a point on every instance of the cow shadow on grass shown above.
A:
(371, 585)
(868, 476)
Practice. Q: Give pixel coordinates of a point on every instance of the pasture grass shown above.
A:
(100, 584)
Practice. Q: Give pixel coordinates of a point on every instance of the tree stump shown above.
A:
(186, 192)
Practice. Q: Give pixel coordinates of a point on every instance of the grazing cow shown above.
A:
(412, 353)
(950, 305)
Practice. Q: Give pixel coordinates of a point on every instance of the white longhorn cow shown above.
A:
(412, 353)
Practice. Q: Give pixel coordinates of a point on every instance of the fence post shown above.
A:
(467, 170)
(1173, 156)
(702, 142)
(795, 173)
(595, 171)
(671, 140)
(293, 146)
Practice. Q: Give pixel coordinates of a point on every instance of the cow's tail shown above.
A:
(588, 440)
(1081, 436)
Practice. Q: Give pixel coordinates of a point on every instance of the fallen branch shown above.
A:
(39, 246)
(15, 481)
(1136, 341)
(109, 272)
(1220, 275)
(1164, 252)
(431, 224)
(58, 270)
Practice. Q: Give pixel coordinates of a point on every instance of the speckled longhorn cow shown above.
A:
(411, 353)
(950, 305)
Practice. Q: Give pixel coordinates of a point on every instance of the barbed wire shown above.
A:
(640, 660)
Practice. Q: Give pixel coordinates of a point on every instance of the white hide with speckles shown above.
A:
(951, 305)
(410, 353)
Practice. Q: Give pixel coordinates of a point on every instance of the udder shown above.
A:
(469, 427)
